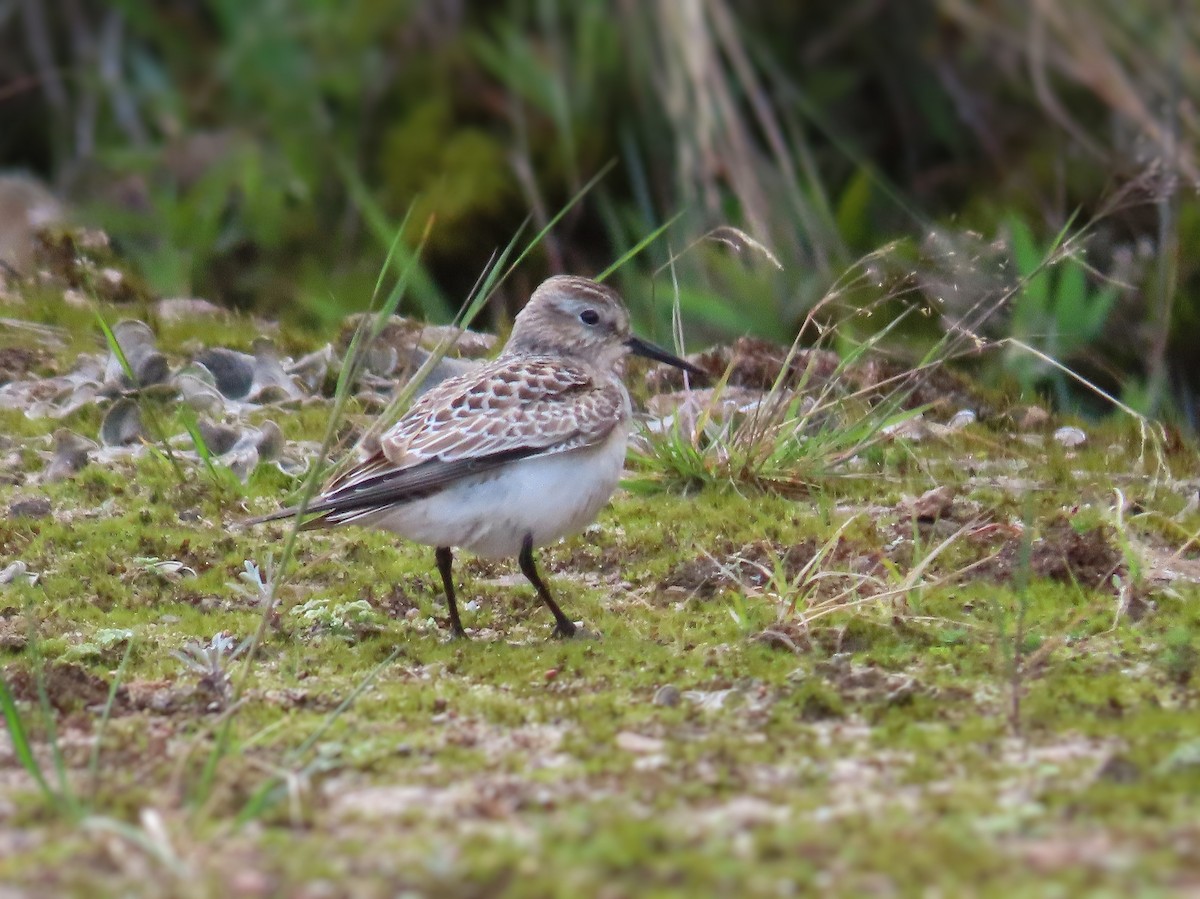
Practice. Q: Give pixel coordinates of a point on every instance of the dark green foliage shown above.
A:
(948, 158)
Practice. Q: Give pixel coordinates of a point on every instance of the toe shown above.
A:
(577, 631)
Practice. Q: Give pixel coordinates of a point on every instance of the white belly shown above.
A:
(490, 514)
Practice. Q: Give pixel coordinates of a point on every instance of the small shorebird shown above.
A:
(512, 455)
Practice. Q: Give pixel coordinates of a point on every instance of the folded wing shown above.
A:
(510, 409)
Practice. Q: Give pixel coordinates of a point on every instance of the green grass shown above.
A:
(877, 745)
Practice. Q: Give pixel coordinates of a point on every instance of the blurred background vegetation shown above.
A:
(1020, 170)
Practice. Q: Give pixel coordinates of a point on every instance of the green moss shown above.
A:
(910, 740)
(456, 176)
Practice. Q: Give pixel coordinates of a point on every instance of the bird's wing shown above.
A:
(528, 402)
(509, 409)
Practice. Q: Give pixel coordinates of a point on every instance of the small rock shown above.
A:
(218, 438)
(19, 362)
(638, 743)
(961, 419)
(312, 368)
(686, 409)
(932, 504)
(1033, 418)
(167, 569)
(1070, 437)
(70, 454)
(122, 423)
(18, 573)
(668, 695)
(271, 382)
(269, 441)
(199, 388)
(914, 429)
(136, 340)
(406, 333)
(243, 457)
(174, 309)
(14, 636)
(232, 372)
(1119, 769)
(30, 507)
(381, 359)
(76, 299)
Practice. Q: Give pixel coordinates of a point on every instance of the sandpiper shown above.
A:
(513, 455)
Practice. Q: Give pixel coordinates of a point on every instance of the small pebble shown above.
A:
(1070, 437)
(30, 507)
(18, 573)
(1119, 769)
(174, 309)
(932, 504)
(961, 419)
(70, 454)
(639, 744)
(667, 695)
(1033, 418)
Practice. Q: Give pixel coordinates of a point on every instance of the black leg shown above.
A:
(445, 560)
(565, 626)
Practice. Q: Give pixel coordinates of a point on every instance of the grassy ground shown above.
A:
(1014, 713)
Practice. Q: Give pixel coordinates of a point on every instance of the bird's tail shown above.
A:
(317, 521)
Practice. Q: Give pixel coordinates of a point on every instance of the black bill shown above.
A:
(640, 347)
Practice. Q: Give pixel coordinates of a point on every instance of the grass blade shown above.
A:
(20, 742)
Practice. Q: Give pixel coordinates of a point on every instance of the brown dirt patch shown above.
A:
(730, 568)
(754, 565)
(942, 390)
(867, 683)
(68, 687)
(395, 603)
(17, 361)
(1061, 554)
(753, 363)
(757, 364)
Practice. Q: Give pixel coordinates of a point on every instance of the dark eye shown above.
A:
(589, 317)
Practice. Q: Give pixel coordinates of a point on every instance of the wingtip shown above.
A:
(315, 518)
(262, 519)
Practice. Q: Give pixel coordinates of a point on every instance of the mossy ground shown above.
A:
(1024, 726)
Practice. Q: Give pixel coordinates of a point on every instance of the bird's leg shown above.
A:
(565, 626)
(445, 560)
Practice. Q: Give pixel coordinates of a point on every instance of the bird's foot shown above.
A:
(576, 631)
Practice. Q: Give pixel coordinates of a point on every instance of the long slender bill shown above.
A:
(644, 348)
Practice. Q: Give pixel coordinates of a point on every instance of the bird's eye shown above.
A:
(589, 317)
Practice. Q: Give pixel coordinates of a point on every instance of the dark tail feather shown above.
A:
(289, 512)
